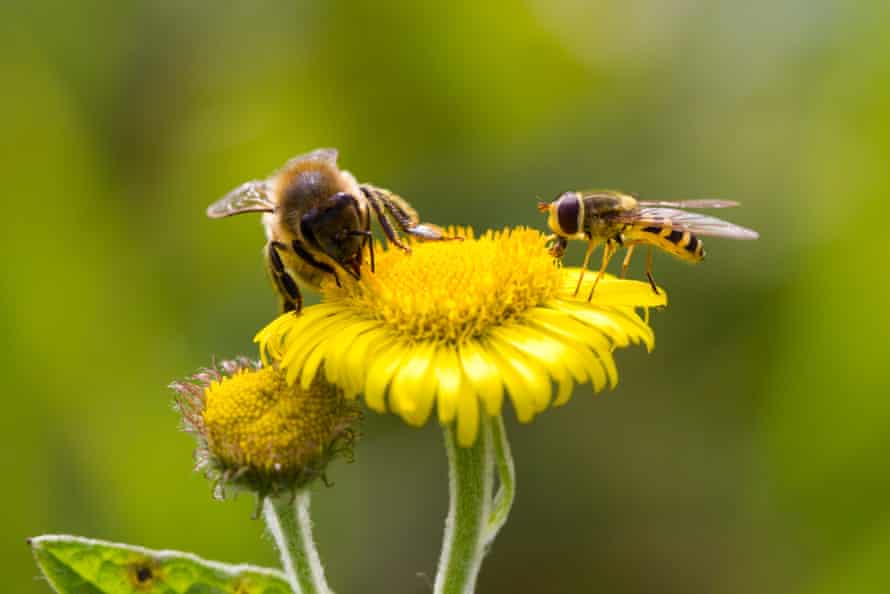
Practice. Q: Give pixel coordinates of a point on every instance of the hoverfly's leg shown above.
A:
(387, 227)
(285, 285)
(406, 216)
(649, 271)
(626, 263)
(369, 241)
(556, 245)
(608, 251)
(590, 245)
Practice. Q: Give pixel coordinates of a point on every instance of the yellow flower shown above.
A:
(256, 431)
(459, 324)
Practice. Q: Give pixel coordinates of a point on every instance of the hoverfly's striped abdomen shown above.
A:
(682, 244)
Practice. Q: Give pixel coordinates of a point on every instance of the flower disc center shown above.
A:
(454, 290)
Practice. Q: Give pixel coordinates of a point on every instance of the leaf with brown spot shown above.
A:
(76, 565)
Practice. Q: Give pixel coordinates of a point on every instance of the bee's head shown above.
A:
(565, 214)
(336, 230)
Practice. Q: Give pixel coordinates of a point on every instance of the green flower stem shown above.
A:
(503, 501)
(287, 519)
(474, 515)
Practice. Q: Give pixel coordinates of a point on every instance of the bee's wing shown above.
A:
(325, 155)
(252, 196)
(687, 221)
(690, 203)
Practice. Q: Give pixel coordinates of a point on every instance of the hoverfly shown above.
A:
(318, 221)
(618, 219)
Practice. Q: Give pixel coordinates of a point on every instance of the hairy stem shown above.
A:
(287, 519)
(474, 515)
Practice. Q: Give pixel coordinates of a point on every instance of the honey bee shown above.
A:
(618, 219)
(318, 221)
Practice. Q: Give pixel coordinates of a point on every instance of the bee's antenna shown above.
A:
(543, 206)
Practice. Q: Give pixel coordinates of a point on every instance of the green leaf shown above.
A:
(75, 565)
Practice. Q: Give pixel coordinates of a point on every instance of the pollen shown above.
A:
(454, 290)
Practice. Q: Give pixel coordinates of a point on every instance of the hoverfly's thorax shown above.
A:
(604, 202)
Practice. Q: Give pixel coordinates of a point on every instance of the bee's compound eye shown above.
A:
(567, 211)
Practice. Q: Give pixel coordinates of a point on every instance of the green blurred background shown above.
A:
(747, 453)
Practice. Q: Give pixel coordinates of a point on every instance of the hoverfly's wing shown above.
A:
(687, 221)
(325, 155)
(690, 203)
(253, 196)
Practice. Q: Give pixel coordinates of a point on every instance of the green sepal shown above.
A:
(76, 565)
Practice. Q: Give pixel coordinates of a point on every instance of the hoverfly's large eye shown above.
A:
(567, 209)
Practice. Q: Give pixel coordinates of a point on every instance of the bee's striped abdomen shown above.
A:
(683, 244)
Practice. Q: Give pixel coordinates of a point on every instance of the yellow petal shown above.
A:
(302, 340)
(529, 386)
(611, 291)
(270, 338)
(483, 374)
(598, 319)
(563, 392)
(355, 361)
(379, 375)
(585, 360)
(335, 367)
(549, 353)
(636, 328)
(467, 420)
(449, 378)
(572, 333)
(412, 391)
(608, 363)
(322, 351)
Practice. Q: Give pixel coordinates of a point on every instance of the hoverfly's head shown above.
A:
(337, 231)
(565, 214)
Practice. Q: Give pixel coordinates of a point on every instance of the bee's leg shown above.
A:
(626, 263)
(590, 245)
(304, 255)
(385, 224)
(369, 241)
(406, 217)
(608, 251)
(285, 285)
(649, 271)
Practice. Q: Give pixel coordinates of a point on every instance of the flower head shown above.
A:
(257, 432)
(458, 325)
